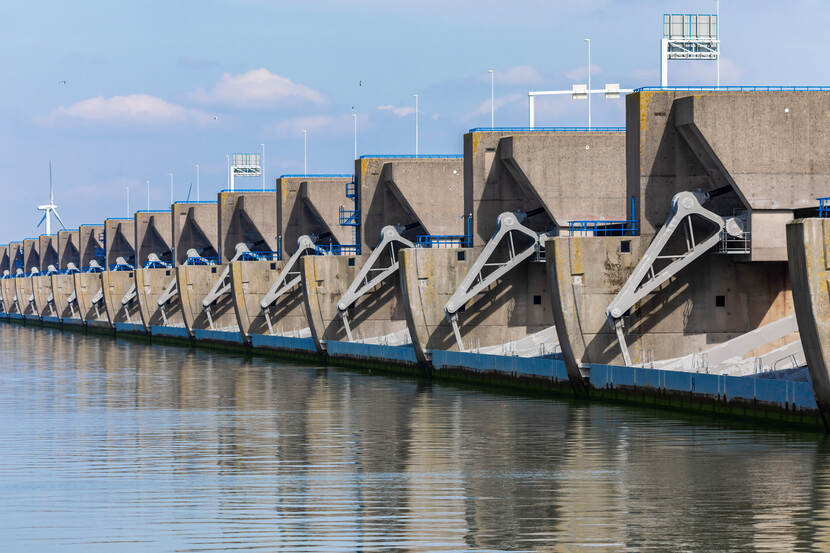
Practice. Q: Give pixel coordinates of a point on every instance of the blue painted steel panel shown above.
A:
(547, 367)
(131, 328)
(395, 354)
(218, 336)
(171, 331)
(285, 343)
(71, 321)
(53, 320)
(781, 392)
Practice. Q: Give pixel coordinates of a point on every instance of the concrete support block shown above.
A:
(116, 284)
(684, 316)
(63, 287)
(194, 282)
(808, 247)
(150, 284)
(87, 286)
(42, 289)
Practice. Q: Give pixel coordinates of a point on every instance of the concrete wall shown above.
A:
(4, 266)
(115, 285)
(247, 217)
(769, 146)
(63, 289)
(250, 281)
(679, 318)
(194, 282)
(87, 286)
(150, 284)
(120, 240)
(310, 205)
(195, 225)
(90, 240)
(153, 234)
(68, 249)
(808, 246)
(25, 288)
(48, 251)
(9, 285)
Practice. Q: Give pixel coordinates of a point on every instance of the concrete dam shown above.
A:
(678, 261)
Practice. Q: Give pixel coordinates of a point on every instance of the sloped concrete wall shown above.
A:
(808, 246)
(195, 225)
(25, 287)
(47, 248)
(68, 251)
(310, 206)
(249, 218)
(120, 240)
(679, 318)
(90, 240)
(153, 234)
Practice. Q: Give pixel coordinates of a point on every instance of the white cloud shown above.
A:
(256, 88)
(520, 74)
(140, 109)
(484, 107)
(398, 111)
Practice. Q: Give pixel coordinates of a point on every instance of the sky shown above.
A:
(116, 93)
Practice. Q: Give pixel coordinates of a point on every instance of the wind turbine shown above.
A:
(50, 208)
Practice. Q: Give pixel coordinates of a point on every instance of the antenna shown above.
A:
(50, 208)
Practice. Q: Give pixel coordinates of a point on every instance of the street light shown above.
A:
(492, 100)
(354, 116)
(148, 195)
(171, 188)
(588, 40)
(197, 182)
(305, 152)
(416, 125)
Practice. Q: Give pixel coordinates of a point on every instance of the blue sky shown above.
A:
(118, 92)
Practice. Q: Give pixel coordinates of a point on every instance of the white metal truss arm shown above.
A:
(474, 281)
(370, 276)
(288, 278)
(223, 283)
(643, 279)
(168, 293)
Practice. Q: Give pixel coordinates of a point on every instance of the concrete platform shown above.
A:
(306, 206)
(24, 285)
(417, 196)
(690, 141)
(88, 288)
(118, 281)
(557, 176)
(246, 218)
(193, 227)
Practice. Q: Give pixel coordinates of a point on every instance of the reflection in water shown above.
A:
(114, 445)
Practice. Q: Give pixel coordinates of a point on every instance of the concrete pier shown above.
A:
(25, 290)
(548, 178)
(307, 208)
(5, 273)
(247, 229)
(808, 246)
(64, 299)
(154, 267)
(42, 282)
(89, 294)
(398, 199)
(118, 280)
(195, 230)
(753, 159)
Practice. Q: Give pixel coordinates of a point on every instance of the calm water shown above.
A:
(109, 445)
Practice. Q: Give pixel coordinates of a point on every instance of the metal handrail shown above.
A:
(751, 88)
(413, 156)
(547, 129)
(604, 228)
(336, 249)
(259, 256)
(200, 260)
(349, 217)
(824, 207)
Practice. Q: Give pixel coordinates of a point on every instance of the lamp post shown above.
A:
(197, 182)
(492, 100)
(262, 165)
(171, 188)
(305, 152)
(588, 40)
(416, 125)
(354, 116)
(148, 195)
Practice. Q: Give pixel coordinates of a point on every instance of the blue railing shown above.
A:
(199, 260)
(448, 240)
(413, 156)
(547, 129)
(98, 252)
(336, 249)
(121, 267)
(317, 176)
(824, 207)
(351, 190)
(349, 217)
(247, 190)
(259, 256)
(156, 265)
(68, 271)
(751, 88)
(93, 269)
(599, 227)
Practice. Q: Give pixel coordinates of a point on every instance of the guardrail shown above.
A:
(336, 249)
(603, 228)
(547, 129)
(750, 88)
(259, 256)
